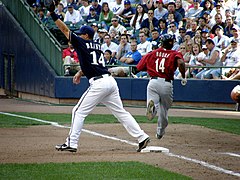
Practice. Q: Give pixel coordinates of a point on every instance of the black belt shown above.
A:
(167, 80)
(98, 77)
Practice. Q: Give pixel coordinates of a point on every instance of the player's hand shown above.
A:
(184, 81)
(76, 78)
(51, 7)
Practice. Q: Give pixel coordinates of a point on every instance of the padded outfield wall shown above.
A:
(23, 64)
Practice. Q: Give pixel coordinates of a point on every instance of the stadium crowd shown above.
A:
(206, 32)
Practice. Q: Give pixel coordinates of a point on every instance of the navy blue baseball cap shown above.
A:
(86, 30)
(127, 2)
(92, 8)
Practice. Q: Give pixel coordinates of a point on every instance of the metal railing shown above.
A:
(131, 67)
(37, 31)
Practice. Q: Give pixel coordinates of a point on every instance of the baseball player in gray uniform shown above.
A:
(161, 65)
(103, 87)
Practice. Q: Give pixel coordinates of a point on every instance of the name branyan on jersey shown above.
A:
(93, 46)
(162, 54)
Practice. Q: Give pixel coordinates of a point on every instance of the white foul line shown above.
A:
(205, 164)
(231, 154)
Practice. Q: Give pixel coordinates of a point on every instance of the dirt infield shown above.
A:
(194, 151)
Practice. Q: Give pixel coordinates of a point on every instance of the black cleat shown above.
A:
(64, 147)
(158, 136)
(143, 144)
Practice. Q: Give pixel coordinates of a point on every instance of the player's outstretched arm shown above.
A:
(61, 25)
(181, 67)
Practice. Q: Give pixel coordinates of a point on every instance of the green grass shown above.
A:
(86, 170)
(226, 125)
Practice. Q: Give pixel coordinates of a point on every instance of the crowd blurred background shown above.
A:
(206, 33)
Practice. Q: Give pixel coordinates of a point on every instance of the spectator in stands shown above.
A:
(228, 13)
(209, 22)
(186, 54)
(195, 11)
(202, 23)
(207, 7)
(173, 29)
(203, 54)
(231, 56)
(162, 26)
(72, 15)
(116, 7)
(218, 10)
(144, 46)
(95, 27)
(145, 31)
(84, 9)
(195, 51)
(34, 8)
(59, 12)
(109, 60)
(70, 60)
(193, 29)
(70, 3)
(189, 44)
(92, 17)
(179, 8)
(171, 7)
(186, 57)
(96, 6)
(116, 25)
(233, 74)
(237, 19)
(114, 36)
(127, 13)
(182, 33)
(236, 36)
(151, 22)
(170, 19)
(123, 47)
(197, 39)
(219, 22)
(188, 23)
(108, 44)
(147, 5)
(204, 35)
(106, 16)
(229, 26)
(160, 11)
(101, 34)
(212, 60)
(221, 41)
(41, 15)
(154, 39)
(138, 18)
(130, 58)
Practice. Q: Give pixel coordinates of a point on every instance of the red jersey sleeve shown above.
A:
(142, 64)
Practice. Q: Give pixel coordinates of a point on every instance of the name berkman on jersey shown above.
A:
(162, 54)
(93, 46)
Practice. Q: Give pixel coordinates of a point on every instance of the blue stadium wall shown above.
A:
(32, 73)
